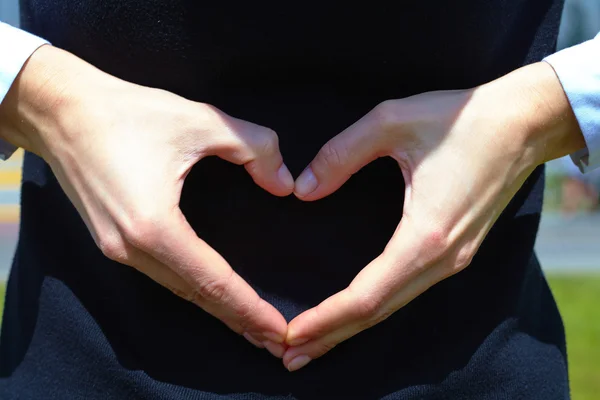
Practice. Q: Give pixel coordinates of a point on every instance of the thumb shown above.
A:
(254, 146)
(341, 157)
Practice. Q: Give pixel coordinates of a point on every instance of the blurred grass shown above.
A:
(578, 297)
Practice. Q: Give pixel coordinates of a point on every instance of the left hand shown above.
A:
(464, 155)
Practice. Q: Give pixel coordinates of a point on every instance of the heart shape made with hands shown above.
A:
(445, 216)
(361, 304)
(425, 134)
(332, 232)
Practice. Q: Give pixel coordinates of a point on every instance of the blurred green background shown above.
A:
(578, 299)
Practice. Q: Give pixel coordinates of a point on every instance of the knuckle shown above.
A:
(263, 144)
(112, 247)
(214, 290)
(268, 142)
(462, 259)
(142, 230)
(434, 245)
(333, 155)
(431, 245)
(386, 114)
(437, 240)
(368, 307)
(443, 247)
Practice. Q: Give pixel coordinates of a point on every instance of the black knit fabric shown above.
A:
(78, 326)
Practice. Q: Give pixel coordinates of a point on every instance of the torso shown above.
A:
(79, 325)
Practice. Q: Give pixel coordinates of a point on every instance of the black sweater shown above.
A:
(77, 325)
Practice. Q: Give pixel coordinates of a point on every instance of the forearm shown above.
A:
(41, 95)
(538, 115)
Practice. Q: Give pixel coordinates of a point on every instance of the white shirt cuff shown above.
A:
(578, 69)
(16, 46)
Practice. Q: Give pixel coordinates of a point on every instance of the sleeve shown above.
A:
(16, 46)
(578, 69)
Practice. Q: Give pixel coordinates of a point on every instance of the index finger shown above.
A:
(386, 284)
(219, 289)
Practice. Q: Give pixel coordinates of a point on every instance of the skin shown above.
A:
(470, 150)
(121, 153)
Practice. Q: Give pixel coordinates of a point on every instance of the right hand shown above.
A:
(121, 153)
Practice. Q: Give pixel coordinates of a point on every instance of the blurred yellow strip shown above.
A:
(10, 177)
(9, 213)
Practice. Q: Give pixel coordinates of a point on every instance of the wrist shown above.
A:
(42, 96)
(536, 112)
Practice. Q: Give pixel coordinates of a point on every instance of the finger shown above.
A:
(388, 283)
(217, 288)
(343, 156)
(166, 277)
(255, 147)
(337, 320)
(160, 273)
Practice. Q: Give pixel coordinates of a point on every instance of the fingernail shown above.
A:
(306, 183)
(285, 176)
(253, 341)
(297, 341)
(298, 362)
(274, 337)
(274, 348)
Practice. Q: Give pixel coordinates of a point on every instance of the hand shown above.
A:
(463, 155)
(121, 153)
